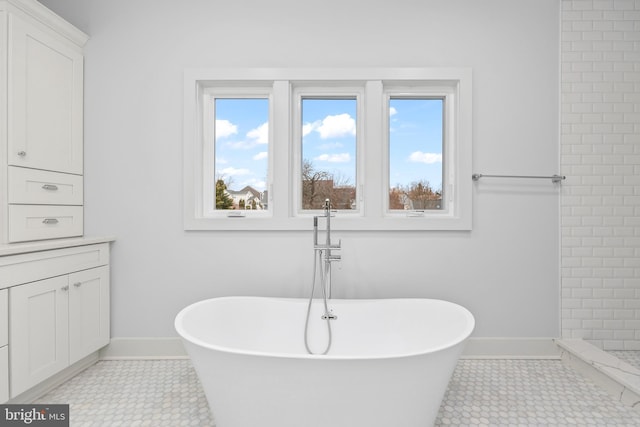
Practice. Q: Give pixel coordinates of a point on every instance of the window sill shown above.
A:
(408, 223)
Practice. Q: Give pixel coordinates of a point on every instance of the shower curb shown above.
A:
(616, 376)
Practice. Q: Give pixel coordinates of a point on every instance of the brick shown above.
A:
(624, 5)
(582, 5)
(603, 4)
(631, 15)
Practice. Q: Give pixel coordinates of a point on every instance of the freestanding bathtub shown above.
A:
(389, 364)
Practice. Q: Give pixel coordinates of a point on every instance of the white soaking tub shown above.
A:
(388, 366)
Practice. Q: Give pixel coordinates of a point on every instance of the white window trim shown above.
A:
(447, 93)
(209, 94)
(373, 213)
(334, 89)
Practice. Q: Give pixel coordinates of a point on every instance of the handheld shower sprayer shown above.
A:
(324, 257)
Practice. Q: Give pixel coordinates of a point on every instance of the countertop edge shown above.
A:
(46, 245)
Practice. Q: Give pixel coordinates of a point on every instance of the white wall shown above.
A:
(601, 153)
(506, 271)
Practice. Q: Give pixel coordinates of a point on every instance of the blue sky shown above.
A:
(242, 136)
(329, 137)
(415, 141)
(329, 140)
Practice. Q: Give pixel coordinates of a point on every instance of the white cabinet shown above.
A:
(37, 222)
(37, 187)
(88, 312)
(39, 332)
(58, 312)
(45, 98)
(4, 348)
(41, 78)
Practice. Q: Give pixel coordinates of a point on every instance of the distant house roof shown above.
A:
(244, 191)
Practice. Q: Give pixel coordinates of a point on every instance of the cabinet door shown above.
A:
(4, 374)
(38, 331)
(88, 312)
(4, 317)
(45, 91)
(4, 350)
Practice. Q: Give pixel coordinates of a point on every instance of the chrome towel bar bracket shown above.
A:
(556, 179)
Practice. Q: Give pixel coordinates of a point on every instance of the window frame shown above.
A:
(449, 147)
(324, 90)
(209, 95)
(372, 146)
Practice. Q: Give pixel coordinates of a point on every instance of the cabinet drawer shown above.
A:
(36, 222)
(38, 187)
(24, 268)
(4, 317)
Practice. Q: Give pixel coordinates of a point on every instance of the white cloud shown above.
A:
(261, 155)
(428, 158)
(225, 128)
(231, 171)
(331, 126)
(239, 145)
(333, 145)
(392, 111)
(260, 134)
(337, 126)
(334, 158)
(307, 128)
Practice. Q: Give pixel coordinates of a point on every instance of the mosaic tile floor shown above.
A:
(481, 393)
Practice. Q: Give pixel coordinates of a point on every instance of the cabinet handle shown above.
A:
(22, 153)
(51, 187)
(77, 284)
(50, 221)
(64, 288)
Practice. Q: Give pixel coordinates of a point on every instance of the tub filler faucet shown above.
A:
(326, 250)
(323, 256)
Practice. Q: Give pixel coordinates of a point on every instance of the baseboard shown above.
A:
(476, 348)
(511, 348)
(144, 348)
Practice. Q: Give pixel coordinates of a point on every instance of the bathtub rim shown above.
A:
(461, 338)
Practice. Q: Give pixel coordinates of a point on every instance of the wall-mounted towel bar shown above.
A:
(556, 179)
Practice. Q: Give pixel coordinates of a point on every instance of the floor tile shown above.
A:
(481, 393)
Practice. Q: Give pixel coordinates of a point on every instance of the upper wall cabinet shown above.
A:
(41, 124)
(45, 98)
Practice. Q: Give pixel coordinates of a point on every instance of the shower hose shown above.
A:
(324, 274)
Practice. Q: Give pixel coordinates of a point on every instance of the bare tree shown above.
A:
(318, 185)
(417, 195)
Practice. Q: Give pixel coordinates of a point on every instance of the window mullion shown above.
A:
(372, 152)
(281, 179)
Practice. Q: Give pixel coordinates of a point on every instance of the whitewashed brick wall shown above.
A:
(600, 155)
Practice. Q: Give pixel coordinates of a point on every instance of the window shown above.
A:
(327, 129)
(241, 141)
(328, 168)
(391, 148)
(235, 161)
(415, 153)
